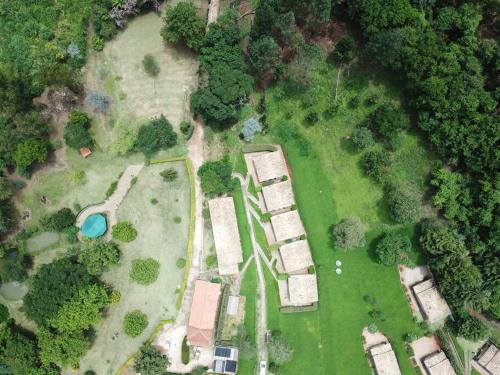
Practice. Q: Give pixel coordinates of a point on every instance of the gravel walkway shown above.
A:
(110, 205)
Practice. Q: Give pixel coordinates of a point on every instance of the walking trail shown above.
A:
(261, 307)
(110, 205)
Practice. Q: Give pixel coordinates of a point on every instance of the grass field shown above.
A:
(329, 186)
(118, 72)
(159, 237)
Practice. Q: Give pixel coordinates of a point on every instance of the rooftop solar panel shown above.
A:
(231, 366)
(222, 352)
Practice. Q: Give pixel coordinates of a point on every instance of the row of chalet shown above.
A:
(270, 171)
(384, 361)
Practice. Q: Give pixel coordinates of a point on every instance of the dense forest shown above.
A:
(444, 54)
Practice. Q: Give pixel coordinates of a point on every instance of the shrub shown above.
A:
(404, 204)
(410, 337)
(250, 128)
(98, 101)
(115, 296)
(182, 23)
(344, 49)
(181, 263)
(169, 174)
(71, 234)
(473, 329)
(216, 177)
(362, 138)
(158, 134)
(372, 328)
(29, 152)
(4, 313)
(377, 314)
(150, 66)
(372, 100)
(311, 118)
(388, 121)
(185, 127)
(375, 164)
(177, 220)
(349, 234)
(150, 361)
(211, 261)
(111, 189)
(154, 201)
(76, 131)
(185, 351)
(135, 323)
(77, 176)
(263, 56)
(145, 271)
(391, 247)
(58, 220)
(97, 43)
(124, 231)
(97, 256)
(280, 351)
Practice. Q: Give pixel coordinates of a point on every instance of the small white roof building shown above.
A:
(278, 196)
(432, 304)
(226, 235)
(489, 359)
(302, 290)
(270, 166)
(296, 256)
(233, 303)
(384, 359)
(438, 364)
(287, 226)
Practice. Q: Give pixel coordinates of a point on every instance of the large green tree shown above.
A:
(29, 152)
(158, 134)
(183, 24)
(52, 286)
(150, 361)
(216, 177)
(83, 311)
(76, 132)
(97, 255)
(263, 56)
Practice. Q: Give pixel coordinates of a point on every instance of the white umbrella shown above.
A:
(338, 271)
(338, 263)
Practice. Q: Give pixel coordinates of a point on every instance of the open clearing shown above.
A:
(159, 238)
(118, 72)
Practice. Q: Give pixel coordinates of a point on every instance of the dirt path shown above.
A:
(113, 202)
(261, 305)
(213, 11)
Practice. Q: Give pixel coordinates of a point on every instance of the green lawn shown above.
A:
(249, 290)
(329, 186)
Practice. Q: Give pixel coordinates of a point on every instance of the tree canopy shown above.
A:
(158, 134)
(97, 255)
(182, 24)
(216, 177)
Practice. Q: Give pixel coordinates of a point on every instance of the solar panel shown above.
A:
(231, 366)
(222, 352)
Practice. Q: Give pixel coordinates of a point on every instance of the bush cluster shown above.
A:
(124, 231)
(145, 271)
(135, 323)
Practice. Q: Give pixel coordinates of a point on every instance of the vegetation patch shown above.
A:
(144, 271)
(135, 323)
(124, 231)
